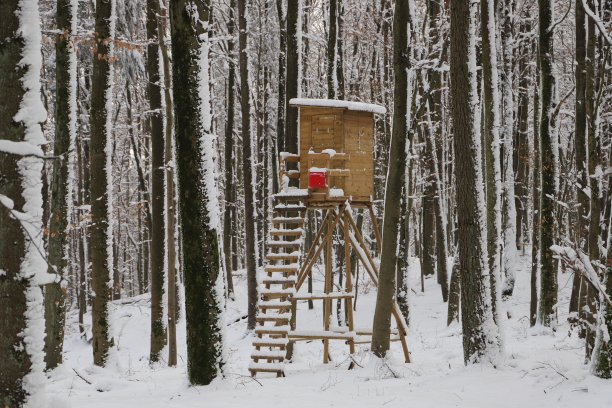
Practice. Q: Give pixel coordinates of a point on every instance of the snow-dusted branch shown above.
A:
(579, 262)
(24, 218)
(597, 22)
(25, 149)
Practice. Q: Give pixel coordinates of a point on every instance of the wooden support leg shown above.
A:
(292, 325)
(377, 233)
(349, 287)
(370, 266)
(328, 285)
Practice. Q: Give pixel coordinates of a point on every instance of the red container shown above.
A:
(317, 179)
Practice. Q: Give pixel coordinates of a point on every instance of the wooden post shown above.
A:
(328, 284)
(349, 285)
(377, 233)
(292, 325)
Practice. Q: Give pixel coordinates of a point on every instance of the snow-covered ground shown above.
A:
(542, 368)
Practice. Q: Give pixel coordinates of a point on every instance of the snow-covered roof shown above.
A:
(334, 103)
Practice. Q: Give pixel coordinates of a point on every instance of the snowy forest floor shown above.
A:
(542, 368)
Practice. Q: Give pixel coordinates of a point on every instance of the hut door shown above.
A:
(323, 132)
(359, 146)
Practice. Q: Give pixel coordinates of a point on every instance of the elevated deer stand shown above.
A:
(335, 175)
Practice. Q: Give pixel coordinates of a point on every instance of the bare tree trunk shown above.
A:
(21, 299)
(100, 240)
(385, 296)
(491, 139)
(548, 283)
(158, 233)
(197, 189)
(594, 162)
(292, 51)
(332, 51)
(61, 185)
(480, 335)
(536, 232)
(247, 167)
(521, 138)
(229, 153)
(170, 207)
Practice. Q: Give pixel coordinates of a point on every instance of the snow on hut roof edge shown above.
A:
(334, 103)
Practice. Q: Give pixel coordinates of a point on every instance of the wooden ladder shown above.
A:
(284, 248)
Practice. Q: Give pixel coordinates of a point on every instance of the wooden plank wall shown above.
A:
(346, 132)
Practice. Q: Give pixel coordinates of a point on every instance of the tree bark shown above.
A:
(385, 296)
(247, 167)
(491, 136)
(291, 124)
(480, 334)
(594, 162)
(536, 233)
(100, 239)
(332, 51)
(21, 299)
(197, 191)
(61, 185)
(158, 233)
(548, 273)
(229, 152)
(521, 138)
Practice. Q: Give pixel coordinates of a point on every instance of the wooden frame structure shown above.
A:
(288, 267)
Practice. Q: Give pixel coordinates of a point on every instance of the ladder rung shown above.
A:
(274, 305)
(278, 281)
(277, 293)
(272, 318)
(288, 220)
(271, 343)
(287, 232)
(269, 355)
(321, 296)
(289, 207)
(271, 330)
(284, 244)
(266, 367)
(311, 334)
(282, 268)
(283, 256)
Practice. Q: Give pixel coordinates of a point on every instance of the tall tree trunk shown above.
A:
(340, 49)
(602, 353)
(247, 167)
(22, 266)
(548, 281)
(403, 254)
(428, 226)
(521, 138)
(385, 296)
(101, 235)
(229, 152)
(158, 233)
(481, 340)
(61, 185)
(594, 163)
(491, 139)
(332, 51)
(536, 233)
(279, 144)
(197, 189)
(509, 252)
(292, 54)
(170, 207)
(436, 142)
(580, 143)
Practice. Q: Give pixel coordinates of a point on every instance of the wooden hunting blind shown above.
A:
(336, 143)
(335, 169)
